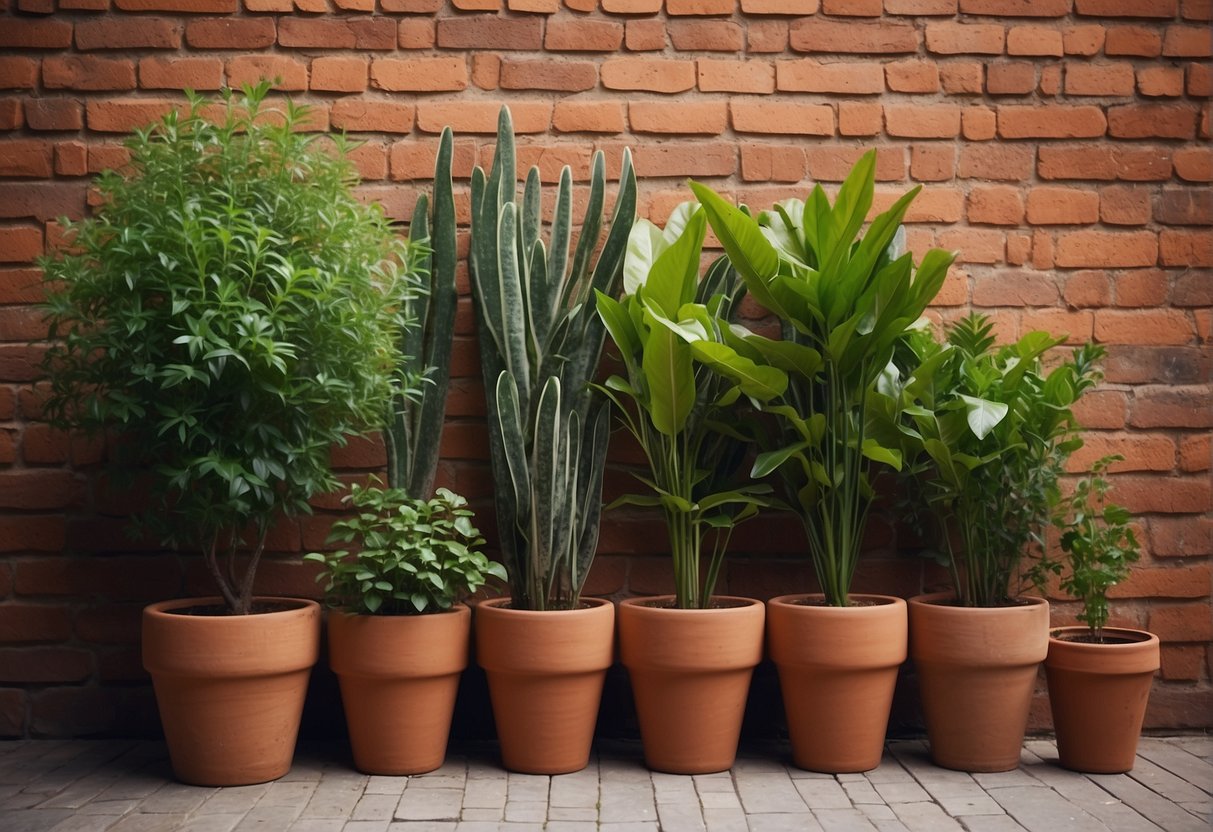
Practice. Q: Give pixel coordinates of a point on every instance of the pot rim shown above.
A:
(645, 602)
(168, 608)
(883, 601)
(935, 599)
(1139, 637)
(499, 605)
(454, 608)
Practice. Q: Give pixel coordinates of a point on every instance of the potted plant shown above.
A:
(545, 649)
(227, 315)
(399, 640)
(690, 656)
(988, 431)
(1099, 676)
(843, 302)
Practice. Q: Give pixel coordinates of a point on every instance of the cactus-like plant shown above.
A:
(540, 343)
(414, 426)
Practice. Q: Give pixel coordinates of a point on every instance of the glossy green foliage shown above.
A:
(985, 431)
(414, 556)
(540, 343)
(414, 426)
(668, 328)
(228, 314)
(844, 300)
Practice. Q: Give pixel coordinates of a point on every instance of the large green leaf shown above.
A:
(757, 381)
(670, 373)
(983, 415)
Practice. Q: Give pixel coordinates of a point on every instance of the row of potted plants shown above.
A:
(232, 311)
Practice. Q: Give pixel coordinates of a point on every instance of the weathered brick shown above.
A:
(846, 77)
(583, 35)
(772, 163)
(420, 74)
(547, 74)
(86, 72)
(645, 35)
(706, 35)
(788, 7)
(719, 75)
(1036, 41)
(286, 73)
(1102, 249)
(357, 115)
(649, 74)
(780, 117)
(1127, 8)
(483, 32)
(157, 73)
(1084, 40)
(682, 159)
(374, 33)
(1160, 81)
(26, 33)
(1182, 622)
(1133, 41)
(997, 162)
(1051, 122)
(922, 121)
(589, 116)
(339, 74)
(1141, 121)
(1124, 205)
(1011, 78)
(962, 77)
(54, 114)
(705, 118)
(231, 33)
(1187, 42)
(18, 73)
(815, 35)
(481, 116)
(1180, 206)
(965, 38)
(700, 7)
(1115, 79)
(129, 33)
(190, 6)
(912, 76)
(1152, 327)
(995, 205)
(1186, 248)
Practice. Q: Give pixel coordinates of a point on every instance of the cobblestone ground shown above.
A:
(96, 786)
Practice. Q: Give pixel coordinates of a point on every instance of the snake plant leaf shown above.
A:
(510, 419)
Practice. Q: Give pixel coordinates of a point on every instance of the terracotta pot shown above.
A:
(1098, 695)
(399, 675)
(977, 668)
(545, 672)
(230, 687)
(837, 670)
(690, 673)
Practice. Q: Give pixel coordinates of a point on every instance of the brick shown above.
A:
(995, 205)
(700, 7)
(1139, 121)
(1084, 40)
(1176, 206)
(815, 35)
(1187, 42)
(375, 33)
(962, 78)
(853, 8)
(564, 35)
(846, 77)
(1176, 582)
(32, 623)
(1010, 78)
(190, 6)
(788, 7)
(772, 163)
(706, 35)
(1180, 536)
(181, 73)
(964, 38)
(23, 323)
(86, 72)
(18, 73)
(1126, 8)
(682, 159)
(1194, 164)
(1160, 82)
(1133, 41)
(1181, 662)
(750, 76)
(412, 159)
(976, 245)
(482, 32)
(921, 7)
(1101, 163)
(1050, 121)
(764, 36)
(932, 162)
(43, 665)
(1087, 289)
(54, 114)
(12, 116)
(548, 74)
(48, 33)
(1185, 248)
(1196, 10)
(420, 74)
(1172, 407)
(779, 117)
(129, 33)
(125, 115)
(978, 124)
(1015, 288)
(1013, 8)
(652, 75)
(290, 73)
(231, 33)
(860, 119)
(1116, 79)
(481, 116)
(1182, 622)
(20, 243)
(707, 118)
(42, 200)
(833, 164)
(1196, 453)
(589, 116)
(1199, 80)
(632, 6)
(106, 156)
(360, 115)
(912, 76)
(1151, 327)
(1050, 81)
(71, 158)
(1141, 452)
(339, 74)
(996, 162)
(1035, 41)
(1084, 249)
(419, 34)
(486, 70)
(1141, 287)
(922, 121)
(1121, 205)
(645, 35)
(535, 6)
(35, 488)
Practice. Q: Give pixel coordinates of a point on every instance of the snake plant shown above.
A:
(540, 343)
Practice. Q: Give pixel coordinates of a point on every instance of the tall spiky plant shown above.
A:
(540, 343)
(414, 426)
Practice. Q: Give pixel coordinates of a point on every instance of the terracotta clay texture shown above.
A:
(545, 672)
(399, 675)
(837, 670)
(690, 672)
(977, 668)
(1098, 694)
(230, 687)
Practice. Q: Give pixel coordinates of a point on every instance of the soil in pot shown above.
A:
(1098, 695)
(690, 672)
(230, 688)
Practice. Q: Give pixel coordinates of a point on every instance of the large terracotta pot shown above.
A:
(230, 687)
(977, 668)
(837, 670)
(690, 673)
(545, 672)
(399, 675)
(1098, 695)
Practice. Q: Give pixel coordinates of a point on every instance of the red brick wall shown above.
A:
(1063, 146)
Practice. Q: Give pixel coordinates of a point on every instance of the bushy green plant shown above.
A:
(843, 301)
(415, 556)
(1098, 546)
(668, 327)
(540, 342)
(986, 431)
(229, 314)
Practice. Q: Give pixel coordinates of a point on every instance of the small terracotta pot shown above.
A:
(230, 687)
(545, 672)
(837, 670)
(1098, 694)
(399, 675)
(977, 668)
(690, 673)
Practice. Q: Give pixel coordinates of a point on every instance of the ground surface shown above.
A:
(111, 786)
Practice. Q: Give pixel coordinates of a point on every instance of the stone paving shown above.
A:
(114, 786)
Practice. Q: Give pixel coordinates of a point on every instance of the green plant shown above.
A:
(667, 328)
(843, 302)
(228, 314)
(414, 424)
(540, 342)
(1098, 544)
(986, 432)
(416, 556)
